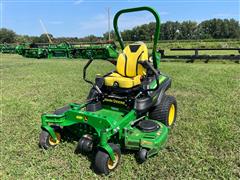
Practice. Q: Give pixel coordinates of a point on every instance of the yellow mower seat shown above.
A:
(123, 82)
(128, 72)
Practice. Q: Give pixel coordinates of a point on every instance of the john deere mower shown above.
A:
(128, 108)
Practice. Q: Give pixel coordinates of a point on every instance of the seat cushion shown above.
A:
(123, 82)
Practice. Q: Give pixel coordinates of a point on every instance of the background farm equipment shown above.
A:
(67, 50)
(32, 50)
(8, 48)
(102, 51)
(59, 50)
(169, 51)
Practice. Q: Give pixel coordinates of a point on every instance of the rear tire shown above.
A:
(166, 111)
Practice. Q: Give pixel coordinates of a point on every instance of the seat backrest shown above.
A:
(127, 62)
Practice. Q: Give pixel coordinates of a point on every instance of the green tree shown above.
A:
(7, 36)
(187, 30)
(112, 36)
(91, 38)
(233, 28)
(44, 38)
(218, 28)
(170, 30)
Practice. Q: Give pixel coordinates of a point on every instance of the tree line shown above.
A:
(186, 30)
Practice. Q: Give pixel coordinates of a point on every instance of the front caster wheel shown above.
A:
(85, 145)
(46, 141)
(103, 163)
(142, 155)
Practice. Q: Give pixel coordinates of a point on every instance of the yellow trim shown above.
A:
(146, 142)
(52, 142)
(121, 64)
(112, 164)
(171, 114)
(123, 82)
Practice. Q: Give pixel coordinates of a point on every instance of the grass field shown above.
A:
(204, 144)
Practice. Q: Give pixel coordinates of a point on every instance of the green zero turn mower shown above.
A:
(125, 109)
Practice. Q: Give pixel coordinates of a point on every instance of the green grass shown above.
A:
(204, 144)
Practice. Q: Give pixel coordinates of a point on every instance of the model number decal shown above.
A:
(115, 101)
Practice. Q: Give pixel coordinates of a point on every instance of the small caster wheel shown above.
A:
(46, 141)
(85, 145)
(103, 163)
(142, 155)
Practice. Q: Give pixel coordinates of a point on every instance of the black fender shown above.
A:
(163, 88)
(143, 105)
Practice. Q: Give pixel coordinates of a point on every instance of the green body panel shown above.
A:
(105, 119)
(153, 141)
(161, 79)
(105, 122)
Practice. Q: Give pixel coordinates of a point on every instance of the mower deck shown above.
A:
(106, 122)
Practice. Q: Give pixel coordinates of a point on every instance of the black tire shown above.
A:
(163, 112)
(142, 155)
(102, 160)
(46, 141)
(85, 145)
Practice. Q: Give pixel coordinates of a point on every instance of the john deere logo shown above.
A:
(114, 101)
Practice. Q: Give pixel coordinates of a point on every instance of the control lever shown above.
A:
(88, 81)
(149, 66)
